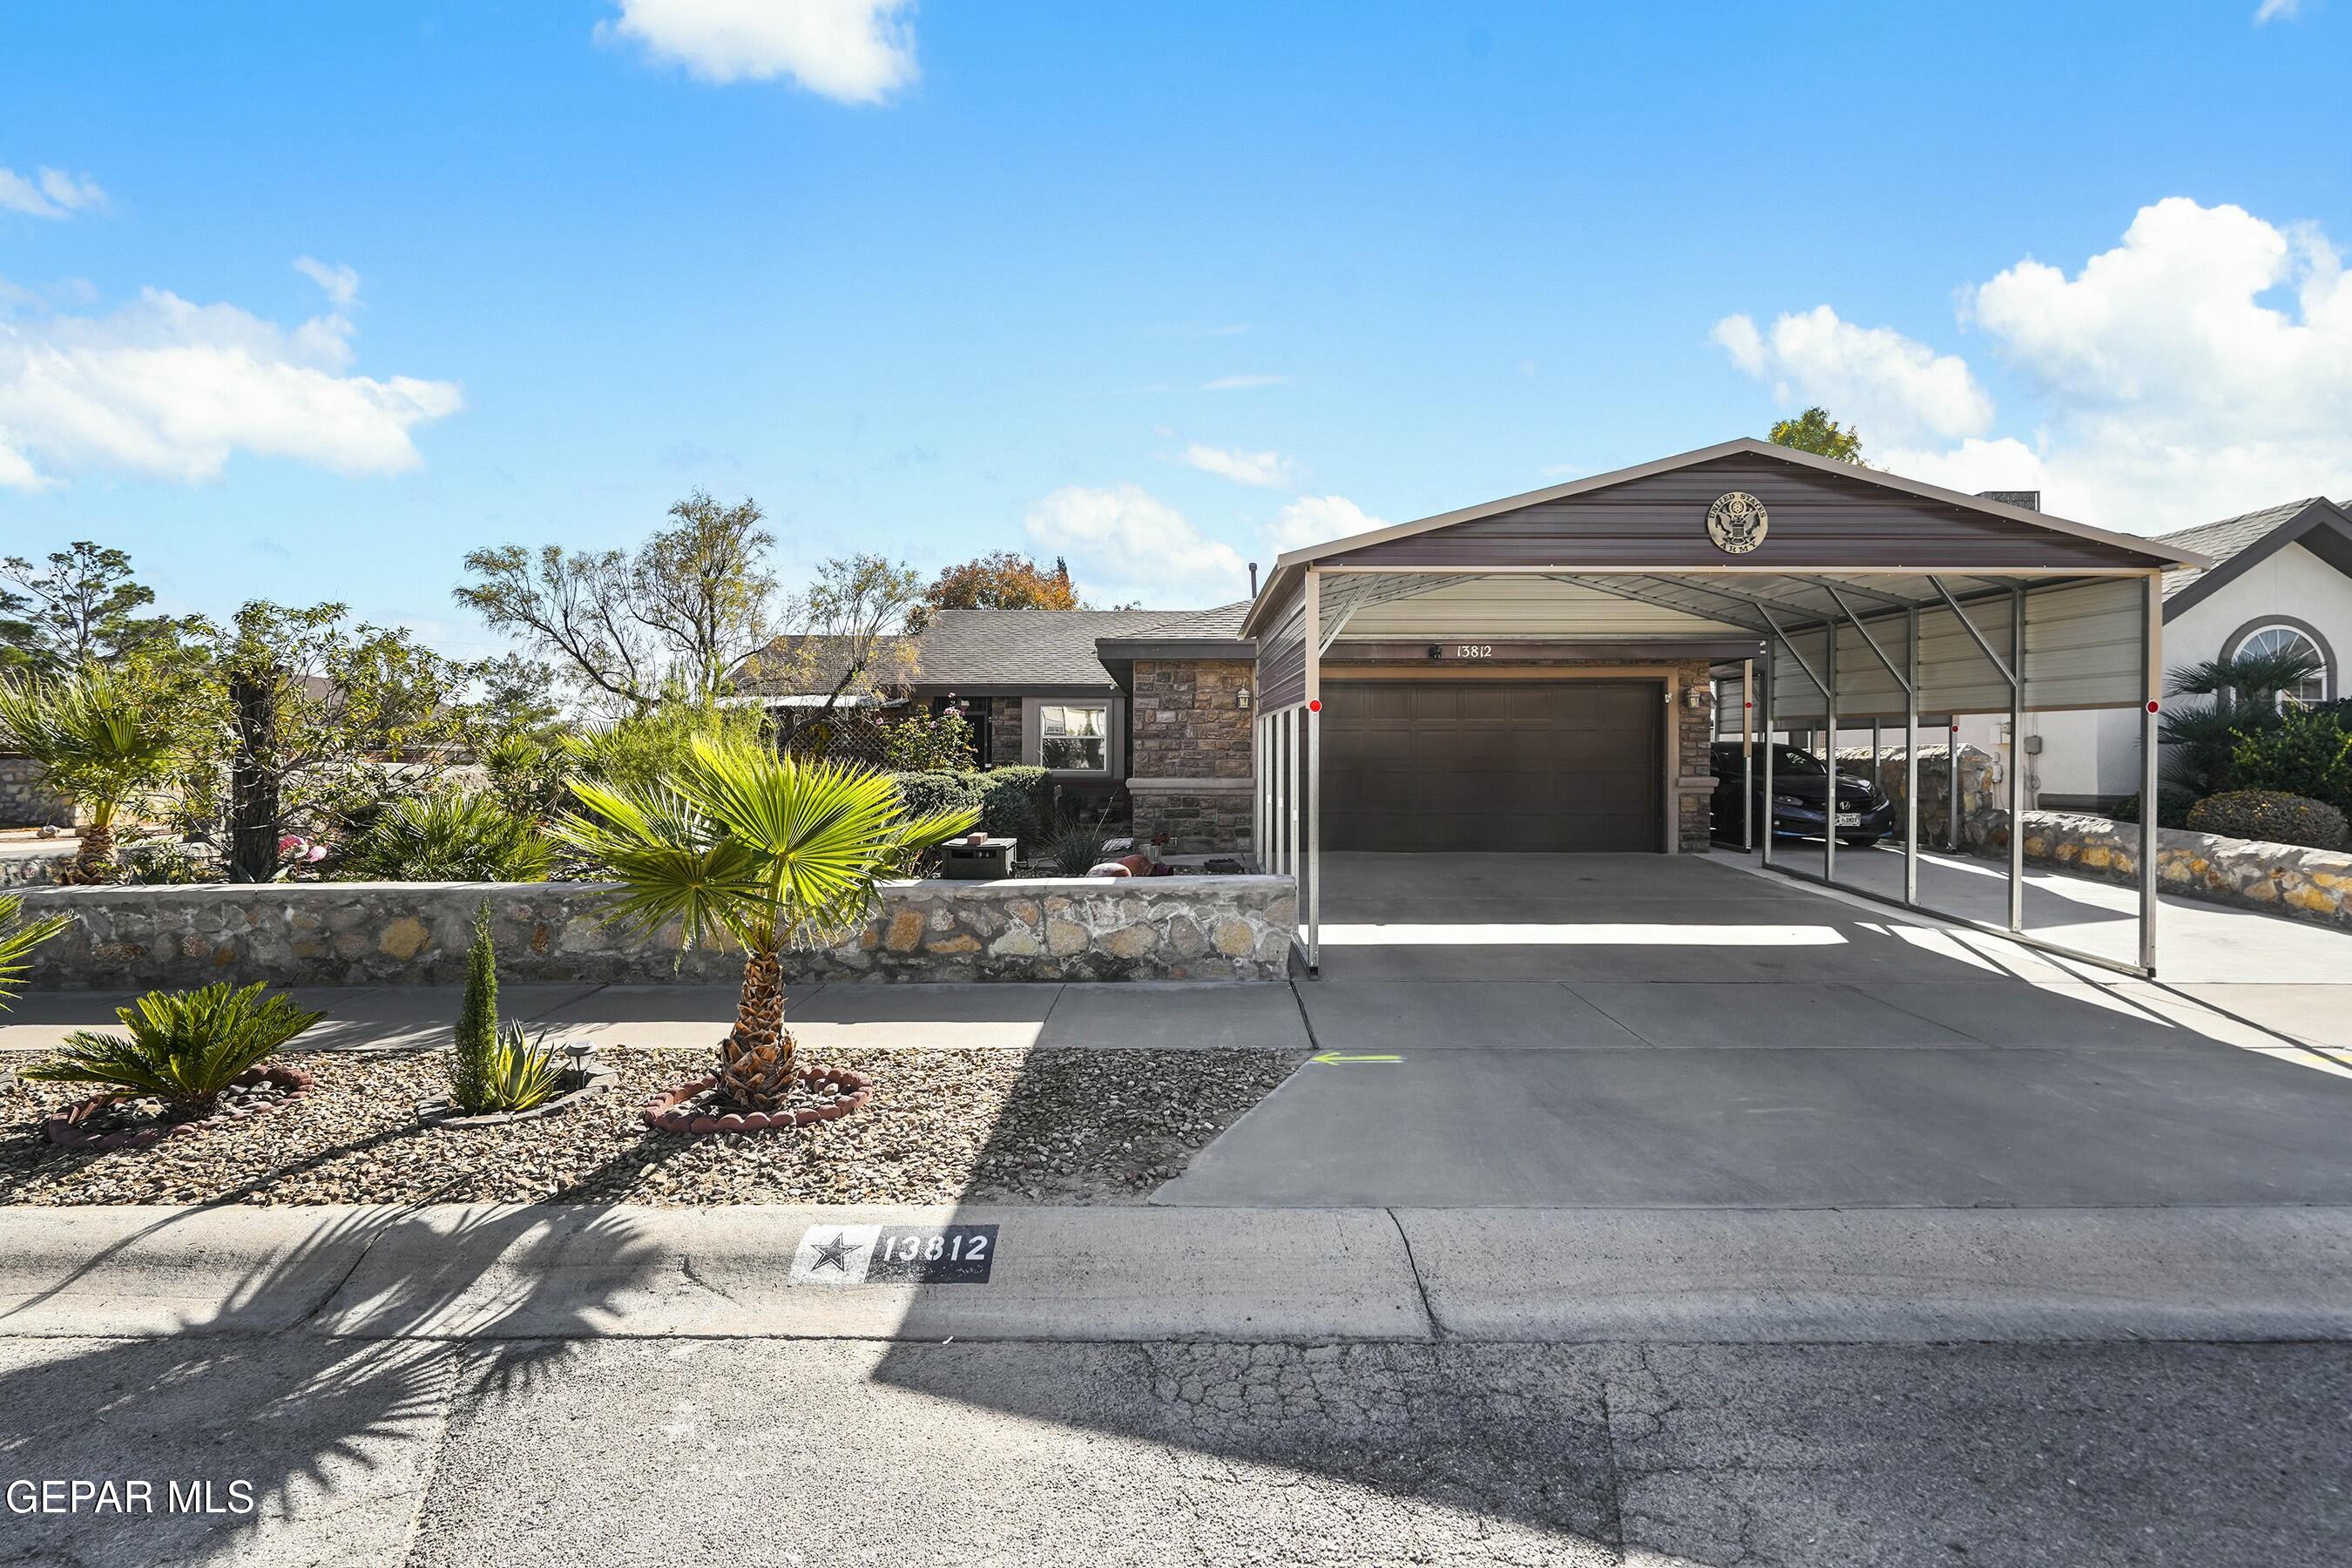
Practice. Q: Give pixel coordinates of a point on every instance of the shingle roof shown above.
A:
(969, 648)
(1224, 621)
(2228, 537)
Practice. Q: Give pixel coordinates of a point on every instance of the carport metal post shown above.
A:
(2017, 759)
(1911, 757)
(1748, 754)
(2151, 636)
(1829, 749)
(1910, 685)
(1772, 677)
(1313, 594)
(1952, 783)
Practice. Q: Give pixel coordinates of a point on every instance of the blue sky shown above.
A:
(1161, 289)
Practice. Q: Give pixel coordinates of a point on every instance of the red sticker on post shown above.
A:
(1315, 705)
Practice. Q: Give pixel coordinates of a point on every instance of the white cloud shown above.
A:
(2277, 10)
(2199, 368)
(1889, 385)
(53, 194)
(1271, 470)
(341, 282)
(168, 389)
(1317, 520)
(1123, 543)
(855, 51)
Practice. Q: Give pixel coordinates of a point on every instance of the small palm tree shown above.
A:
(19, 938)
(2242, 692)
(94, 739)
(764, 851)
(186, 1047)
(448, 837)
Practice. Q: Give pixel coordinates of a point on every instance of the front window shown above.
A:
(2288, 642)
(1075, 739)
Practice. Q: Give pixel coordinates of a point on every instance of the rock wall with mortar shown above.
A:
(2313, 885)
(1189, 773)
(25, 803)
(373, 933)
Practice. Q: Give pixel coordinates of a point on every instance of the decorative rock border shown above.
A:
(2313, 884)
(443, 1115)
(64, 1127)
(665, 1113)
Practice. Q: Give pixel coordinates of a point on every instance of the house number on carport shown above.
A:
(1737, 522)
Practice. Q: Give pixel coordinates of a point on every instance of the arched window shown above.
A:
(2274, 637)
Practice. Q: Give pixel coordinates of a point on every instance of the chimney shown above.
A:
(1252, 579)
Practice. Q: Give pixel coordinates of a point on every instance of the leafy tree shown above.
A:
(923, 742)
(759, 850)
(849, 641)
(94, 739)
(624, 630)
(79, 605)
(1815, 431)
(1000, 580)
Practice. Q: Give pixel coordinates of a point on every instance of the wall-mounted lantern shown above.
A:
(1696, 697)
(1242, 698)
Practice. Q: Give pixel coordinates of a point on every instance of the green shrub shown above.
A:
(186, 1047)
(2271, 817)
(2307, 753)
(635, 753)
(478, 1021)
(527, 774)
(931, 794)
(446, 838)
(1015, 802)
(927, 742)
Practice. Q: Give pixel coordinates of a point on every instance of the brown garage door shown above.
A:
(1493, 764)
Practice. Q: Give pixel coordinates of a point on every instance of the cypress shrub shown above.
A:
(477, 1022)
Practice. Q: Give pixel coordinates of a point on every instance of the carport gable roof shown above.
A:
(1877, 533)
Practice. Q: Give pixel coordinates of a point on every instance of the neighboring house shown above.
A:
(2280, 577)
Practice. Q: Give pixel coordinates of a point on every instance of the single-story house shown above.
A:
(2280, 578)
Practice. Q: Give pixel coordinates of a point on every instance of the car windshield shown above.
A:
(1787, 759)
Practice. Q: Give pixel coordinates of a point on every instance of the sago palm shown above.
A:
(94, 739)
(765, 852)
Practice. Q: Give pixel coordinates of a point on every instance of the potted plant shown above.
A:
(93, 739)
(188, 1057)
(759, 851)
(495, 1074)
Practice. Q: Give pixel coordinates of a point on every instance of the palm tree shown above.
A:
(2243, 691)
(764, 851)
(93, 739)
(19, 938)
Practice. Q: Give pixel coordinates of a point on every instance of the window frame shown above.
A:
(1101, 738)
(2309, 635)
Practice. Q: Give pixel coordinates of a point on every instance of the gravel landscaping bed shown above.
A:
(1038, 1126)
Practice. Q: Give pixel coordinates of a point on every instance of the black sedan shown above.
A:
(1865, 815)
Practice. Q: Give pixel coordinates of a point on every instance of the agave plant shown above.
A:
(186, 1047)
(762, 851)
(448, 837)
(93, 739)
(518, 1075)
(19, 938)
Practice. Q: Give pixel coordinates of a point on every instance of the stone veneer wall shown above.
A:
(1982, 788)
(1003, 717)
(368, 934)
(1693, 738)
(1189, 772)
(24, 803)
(2313, 885)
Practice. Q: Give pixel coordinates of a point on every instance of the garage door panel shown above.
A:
(1475, 766)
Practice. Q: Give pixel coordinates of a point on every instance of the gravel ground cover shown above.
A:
(1038, 1126)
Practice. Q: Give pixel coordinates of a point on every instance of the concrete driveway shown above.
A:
(1581, 1030)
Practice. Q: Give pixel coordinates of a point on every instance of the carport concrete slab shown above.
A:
(1177, 1015)
(1747, 1015)
(1055, 1273)
(1788, 1127)
(1402, 1015)
(1853, 1276)
(2318, 1015)
(2071, 1012)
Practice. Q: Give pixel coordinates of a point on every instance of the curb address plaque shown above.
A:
(895, 1254)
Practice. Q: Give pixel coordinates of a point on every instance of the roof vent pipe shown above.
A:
(1252, 579)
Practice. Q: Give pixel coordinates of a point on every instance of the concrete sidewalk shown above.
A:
(1242, 1275)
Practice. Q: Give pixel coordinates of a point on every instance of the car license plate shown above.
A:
(1848, 819)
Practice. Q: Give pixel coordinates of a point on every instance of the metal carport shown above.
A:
(1865, 598)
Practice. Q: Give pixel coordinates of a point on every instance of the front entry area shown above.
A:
(1533, 766)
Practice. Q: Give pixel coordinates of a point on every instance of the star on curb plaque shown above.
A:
(834, 1254)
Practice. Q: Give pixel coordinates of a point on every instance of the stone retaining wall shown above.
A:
(2304, 884)
(25, 803)
(371, 934)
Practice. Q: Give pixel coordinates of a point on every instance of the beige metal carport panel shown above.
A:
(1451, 608)
(2082, 650)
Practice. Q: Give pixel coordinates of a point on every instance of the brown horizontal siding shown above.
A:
(1818, 522)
